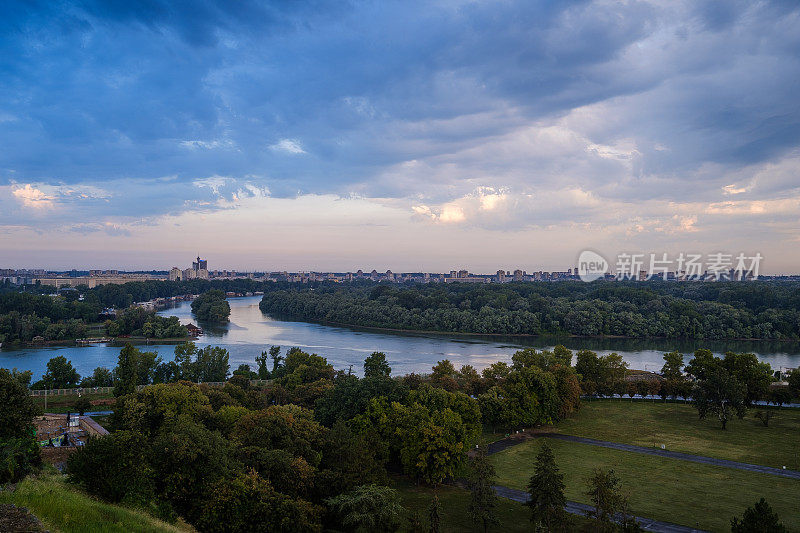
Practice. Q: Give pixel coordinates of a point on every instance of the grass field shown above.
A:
(64, 508)
(514, 517)
(666, 489)
(678, 427)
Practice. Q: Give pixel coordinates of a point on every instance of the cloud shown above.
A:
(289, 146)
(32, 197)
(500, 117)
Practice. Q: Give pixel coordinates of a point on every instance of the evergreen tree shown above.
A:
(760, 518)
(605, 493)
(546, 489)
(127, 371)
(484, 499)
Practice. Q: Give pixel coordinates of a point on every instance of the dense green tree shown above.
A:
(754, 375)
(673, 366)
(277, 361)
(702, 362)
(375, 366)
(719, 393)
(101, 377)
(16, 416)
(483, 499)
(285, 427)
(244, 371)
(628, 309)
(60, 374)
(134, 368)
(211, 306)
(350, 459)
(443, 375)
(760, 518)
(263, 367)
(114, 467)
(368, 508)
(189, 459)
(249, 503)
(794, 382)
(546, 490)
(157, 406)
(81, 405)
(19, 451)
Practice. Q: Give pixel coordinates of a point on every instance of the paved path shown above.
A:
(648, 524)
(576, 508)
(793, 474)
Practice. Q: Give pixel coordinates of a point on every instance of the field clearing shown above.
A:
(454, 501)
(64, 508)
(665, 489)
(678, 428)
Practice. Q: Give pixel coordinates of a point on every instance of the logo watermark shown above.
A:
(591, 266)
(718, 266)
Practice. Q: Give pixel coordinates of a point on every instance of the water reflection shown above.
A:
(249, 332)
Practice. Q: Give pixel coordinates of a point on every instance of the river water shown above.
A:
(250, 331)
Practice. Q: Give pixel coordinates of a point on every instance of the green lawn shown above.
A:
(64, 508)
(455, 509)
(666, 489)
(677, 426)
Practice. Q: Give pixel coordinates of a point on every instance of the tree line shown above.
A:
(311, 448)
(300, 452)
(724, 310)
(42, 311)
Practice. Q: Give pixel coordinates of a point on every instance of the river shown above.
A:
(250, 331)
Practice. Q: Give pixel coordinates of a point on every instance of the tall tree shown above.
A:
(604, 489)
(277, 358)
(754, 375)
(546, 490)
(19, 451)
(760, 518)
(263, 369)
(375, 366)
(719, 393)
(60, 374)
(483, 500)
(673, 366)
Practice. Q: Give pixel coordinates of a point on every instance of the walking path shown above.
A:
(793, 474)
(582, 509)
(646, 523)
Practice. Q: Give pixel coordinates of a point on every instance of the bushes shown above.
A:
(19, 451)
(249, 503)
(19, 456)
(114, 468)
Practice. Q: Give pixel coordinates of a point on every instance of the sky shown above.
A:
(408, 135)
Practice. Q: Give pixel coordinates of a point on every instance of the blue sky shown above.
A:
(403, 135)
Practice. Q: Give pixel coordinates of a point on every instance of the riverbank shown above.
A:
(379, 329)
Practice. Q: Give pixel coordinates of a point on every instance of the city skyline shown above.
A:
(404, 136)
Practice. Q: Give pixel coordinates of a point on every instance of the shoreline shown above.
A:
(526, 335)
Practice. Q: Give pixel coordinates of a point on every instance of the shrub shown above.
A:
(18, 457)
(113, 467)
(250, 503)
